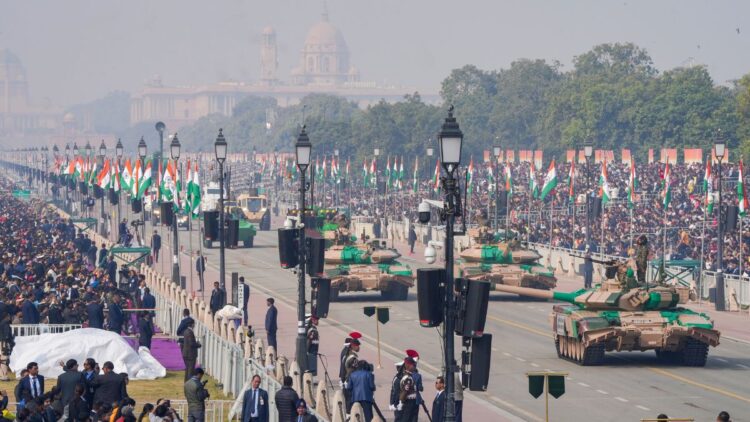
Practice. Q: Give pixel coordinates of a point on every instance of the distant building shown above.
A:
(20, 120)
(324, 67)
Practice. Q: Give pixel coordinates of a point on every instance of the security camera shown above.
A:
(430, 254)
(288, 224)
(424, 212)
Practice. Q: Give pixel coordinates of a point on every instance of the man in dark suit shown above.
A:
(148, 301)
(245, 299)
(95, 312)
(29, 311)
(31, 386)
(255, 403)
(102, 261)
(116, 316)
(217, 298)
(186, 318)
(110, 386)
(112, 270)
(438, 405)
(145, 330)
(155, 246)
(68, 381)
(189, 349)
(200, 268)
(271, 326)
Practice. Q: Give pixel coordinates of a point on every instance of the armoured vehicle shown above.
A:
(613, 317)
(255, 208)
(503, 262)
(361, 267)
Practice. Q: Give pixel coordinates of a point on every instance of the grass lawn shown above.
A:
(144, 392)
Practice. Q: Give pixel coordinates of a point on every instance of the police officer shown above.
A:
(313, 342)
(641, 259)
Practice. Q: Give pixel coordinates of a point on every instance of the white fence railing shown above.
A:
(22, 330)
(216, 410)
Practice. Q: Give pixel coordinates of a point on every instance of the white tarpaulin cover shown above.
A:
(49, 349)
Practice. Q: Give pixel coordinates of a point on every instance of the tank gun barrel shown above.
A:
(596, 261)
(525, 291)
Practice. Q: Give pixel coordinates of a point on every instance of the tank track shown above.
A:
(571, 349)
(695, 353)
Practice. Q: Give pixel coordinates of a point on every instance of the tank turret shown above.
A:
(359, 254)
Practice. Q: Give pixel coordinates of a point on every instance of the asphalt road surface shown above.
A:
(629, 386)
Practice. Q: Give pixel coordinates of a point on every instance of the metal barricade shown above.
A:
(216, 410)
(22, 330)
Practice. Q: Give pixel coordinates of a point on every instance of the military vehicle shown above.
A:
(361, 267)
(613, 317)
(255, 208)
(503, 262)
(245, 230)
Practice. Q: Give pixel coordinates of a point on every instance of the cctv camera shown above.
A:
(424, 212)
(288, 224)
(430, 254)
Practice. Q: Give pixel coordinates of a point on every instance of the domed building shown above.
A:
(324, 59)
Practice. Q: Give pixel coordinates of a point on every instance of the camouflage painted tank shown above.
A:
(356, 267)
(613, 318)
(504, 263)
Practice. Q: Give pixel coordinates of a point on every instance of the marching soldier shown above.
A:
(396, 390)
(641, 259)
(349, 360)
(408, 402)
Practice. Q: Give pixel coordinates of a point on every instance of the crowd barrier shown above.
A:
(22, 330)
(216, 410)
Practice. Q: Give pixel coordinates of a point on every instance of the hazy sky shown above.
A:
(79, 50)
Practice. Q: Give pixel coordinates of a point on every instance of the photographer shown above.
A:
(196, 395)
(362, 386)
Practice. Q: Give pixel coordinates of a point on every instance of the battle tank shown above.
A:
(356, 267)
(613, 317)
(503, 263)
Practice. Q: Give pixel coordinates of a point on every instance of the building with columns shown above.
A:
(324, 68)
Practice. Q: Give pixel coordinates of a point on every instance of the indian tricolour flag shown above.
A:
(436, 177)
(415, 181)
(604, 189)
(632, 185)
(104, 178)
(572, 182)
(508, 180)
(365, 175)
(168, 178)
(145, 180)
(550, 180)
(741, 194)
(195, 195)
(470, 176)
(126, 176)
(666, 194)
(533, 186)
(708, 187)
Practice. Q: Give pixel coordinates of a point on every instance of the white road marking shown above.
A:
(601, 392)
(621, 399)
(583, 384)
(643, 408)
(506, 354)
(494, 349)
(534, 365)
(743, 366)
(520, 359)
(721, 360)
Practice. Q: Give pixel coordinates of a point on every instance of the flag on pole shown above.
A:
(137, 175)
(533, 186)
(195, 195)
(572, 183)
(415, 182)
(167, 182)
(126, 176)
(388, 172)
(373, 172)
(741, 194)
(666, 194)
(103, 178)
(604, 189)
(116, 176)
(365, 175)
(347, 168)
(401, 173)
(508, 180)
(145, 183)
(188, 188)
(550, 180)
(708, 187)
(632, 185)
(470, 176)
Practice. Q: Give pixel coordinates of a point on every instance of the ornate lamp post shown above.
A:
(450, 140)
(103, 215)
(302, 150)
(719, 151)
(118, 153)
(496, 154)
(142, 152)
(220, 149)
(174, 149)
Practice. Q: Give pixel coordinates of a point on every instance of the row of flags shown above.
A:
(136, 178)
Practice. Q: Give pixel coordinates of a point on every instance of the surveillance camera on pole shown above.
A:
(424, 212)
(430, 254)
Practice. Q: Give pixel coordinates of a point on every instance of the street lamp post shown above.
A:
(56, 155)
(220, 149)
(376, 152)
(102, 155)
(119, 149)
(338, 176)
(174, 149)
(588, 151)
(303, 150)
(719, 150)
(142, 152)
(450, 140)
(160, 126)
(496, 154)
(67, 180)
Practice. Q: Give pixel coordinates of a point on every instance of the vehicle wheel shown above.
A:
(334, 296)
(695, 353)
(248, 243)
(400, 292)
(666, 356)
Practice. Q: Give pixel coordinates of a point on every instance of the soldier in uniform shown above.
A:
(313, 342)
(408, 403)
(349, 360)
(641, 259)
(625, 277)
(396, 390)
